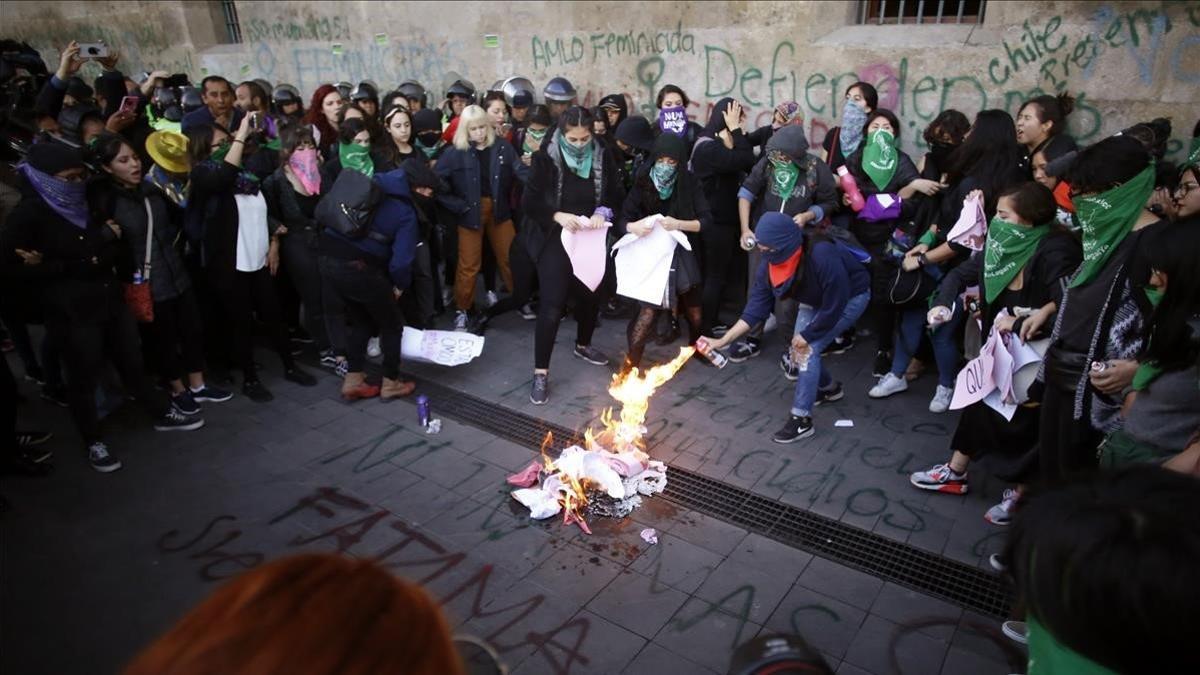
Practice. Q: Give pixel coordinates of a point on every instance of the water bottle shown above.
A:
(850, 187)
(715, 357)
(423, 410)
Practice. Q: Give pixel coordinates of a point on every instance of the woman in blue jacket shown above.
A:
(480, 170)
(832, 288)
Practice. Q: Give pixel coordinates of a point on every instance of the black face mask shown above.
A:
(940, 153)
(429, 138)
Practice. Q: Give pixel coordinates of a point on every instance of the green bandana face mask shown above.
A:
(578, 159)
(784, 174)
(1009, 246)
(1147, 372)
(879, 157)
(218, 154)
(1106, 218)
(356, 157)
(535, 135)
(1048, 656)
(663, 176)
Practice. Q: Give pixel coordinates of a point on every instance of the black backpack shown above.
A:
(349, 206)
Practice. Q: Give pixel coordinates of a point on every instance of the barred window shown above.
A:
(881, 12)
(233, 29)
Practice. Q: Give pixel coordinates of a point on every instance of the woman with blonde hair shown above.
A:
(480, 173)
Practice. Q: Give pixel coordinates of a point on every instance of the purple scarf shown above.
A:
(67, 198)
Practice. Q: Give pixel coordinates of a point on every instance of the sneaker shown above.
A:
(36, 377)
(301, 336)
(540, 393)
(940, 402)
(744, 349)
(1001, 514)
(889, 384)
(32, 457)
(461, 321)
(490, 298)
(1015, 631)
(591, 355)
(177, 421)
(56, 395)
(328, 359)
(255, 391)
(300, 377)
(101, 460)
(527, 312)
(996, 563)
(342, 367)
(28, 439)
(374, 351)
(184, 403)
(840, 345)
(834, 393)
(883, 364)
(210, 394)
(790, 370)
(941, 478)
(794, 429)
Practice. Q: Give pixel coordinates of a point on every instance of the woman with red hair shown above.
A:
(322, 114)
(312, 614)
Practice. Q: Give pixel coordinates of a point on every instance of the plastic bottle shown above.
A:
(850, 187)
(715, 357)
(423, 410)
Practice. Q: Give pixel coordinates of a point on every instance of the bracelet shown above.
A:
(603, 211)
(239, 140)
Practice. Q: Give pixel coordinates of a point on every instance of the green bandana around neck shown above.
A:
(1048, 656)
(663, 176)
(1148, 371)
(879, 157)
(1009, 246)
(579, 160)
(356, 157)
(783, 177)
(429, 151)
(218, 155)
(1107, 218)
(536, 134)
(1193, 156)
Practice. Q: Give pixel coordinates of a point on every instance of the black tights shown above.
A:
(641, 326)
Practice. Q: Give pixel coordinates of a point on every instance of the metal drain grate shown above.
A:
(962, 584)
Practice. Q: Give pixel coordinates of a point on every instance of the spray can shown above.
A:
(715, 357)
(749, 243)
(423, 410)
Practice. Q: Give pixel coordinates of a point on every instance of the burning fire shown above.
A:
(613, 460)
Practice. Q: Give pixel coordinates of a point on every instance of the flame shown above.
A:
(623, 433)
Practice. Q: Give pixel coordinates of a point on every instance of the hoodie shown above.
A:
(815, 191)
(395, 219)
(721, 170)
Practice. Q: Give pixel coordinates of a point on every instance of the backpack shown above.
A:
(349, 207)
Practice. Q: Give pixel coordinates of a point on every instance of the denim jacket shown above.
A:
(460, 169)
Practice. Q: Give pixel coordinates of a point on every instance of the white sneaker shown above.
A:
(940, 402)
(491, 298)
(888, 384)
(1001, 514)
(373, 350)
(460, 321)
(1015, 631)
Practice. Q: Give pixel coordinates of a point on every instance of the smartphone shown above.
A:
(177, 80)
(129, 104)
(256, 122)
(93, 50)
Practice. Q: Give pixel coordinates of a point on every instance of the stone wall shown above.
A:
(1125, 61)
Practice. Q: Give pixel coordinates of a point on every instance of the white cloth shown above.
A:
(643, 264)
(252, 238)
(443, 347)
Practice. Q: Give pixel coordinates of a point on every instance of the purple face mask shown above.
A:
(673, 120)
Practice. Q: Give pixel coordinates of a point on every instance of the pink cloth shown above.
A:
(527, 476)
(587, 249)
(971, 228)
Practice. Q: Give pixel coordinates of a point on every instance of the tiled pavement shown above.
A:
(94, 566)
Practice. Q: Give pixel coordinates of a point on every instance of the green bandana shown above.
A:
(879, 157)
(1048, 656)
(1106, 218)
(356, 157)
(218, 155)
(663, 176)
(784, 175)
(1009, 246)
(536, 134)
(1148, 371)
(1193, 157)
(429, 151)
(579, 160)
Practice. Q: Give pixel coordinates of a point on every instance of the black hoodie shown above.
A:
(720, 169)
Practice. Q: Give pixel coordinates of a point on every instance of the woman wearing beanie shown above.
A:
(832, 288)
(50, 241)
(666, 188)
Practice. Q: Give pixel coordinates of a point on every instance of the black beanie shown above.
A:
(419, 174)
(50, 157)
(426, 120)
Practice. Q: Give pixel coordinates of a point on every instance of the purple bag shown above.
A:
(875, 209)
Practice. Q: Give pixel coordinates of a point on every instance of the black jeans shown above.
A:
(177, 336)
(418, 302)
(253, 293)
(87, 345)
(524, 275)
(365, 290)
(557, 281)
(1066, 446)
(299, 256)
(721, 250)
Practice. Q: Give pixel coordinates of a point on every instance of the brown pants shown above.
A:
(470, 253)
